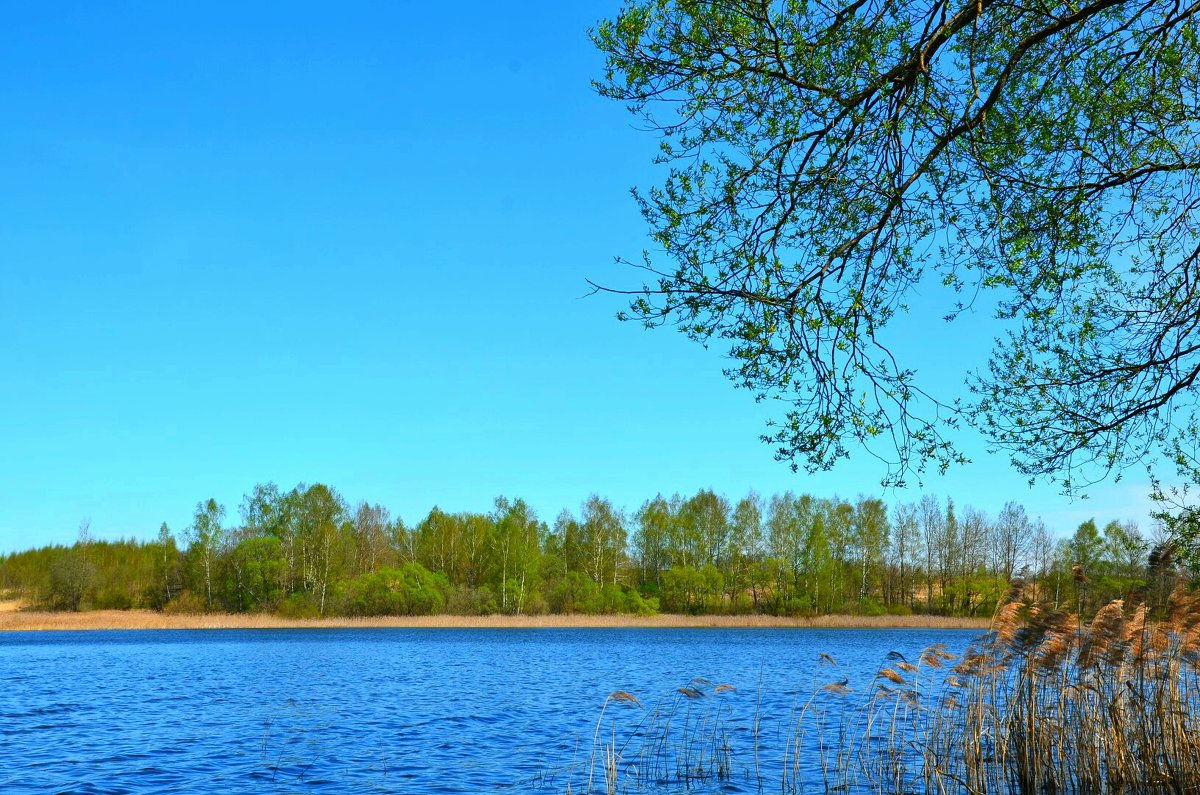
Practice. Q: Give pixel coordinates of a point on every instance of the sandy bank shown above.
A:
(20, 620)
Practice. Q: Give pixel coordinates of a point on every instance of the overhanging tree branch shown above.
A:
(824, 160)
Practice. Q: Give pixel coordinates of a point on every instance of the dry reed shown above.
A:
(25, 620)
(683, 741)
(1043, 703)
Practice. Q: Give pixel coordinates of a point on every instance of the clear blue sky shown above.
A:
(348, 243)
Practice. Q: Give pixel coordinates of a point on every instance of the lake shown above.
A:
(413, 711)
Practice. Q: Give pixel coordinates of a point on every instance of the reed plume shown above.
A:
(1043, 703)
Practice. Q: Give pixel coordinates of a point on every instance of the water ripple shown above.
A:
(390, 711)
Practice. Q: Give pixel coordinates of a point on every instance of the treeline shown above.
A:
(306, 552)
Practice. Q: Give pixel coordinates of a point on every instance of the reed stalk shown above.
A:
(1043, 703)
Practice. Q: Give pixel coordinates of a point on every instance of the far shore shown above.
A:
(16, 620)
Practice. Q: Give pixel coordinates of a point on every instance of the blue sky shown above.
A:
(348, 244)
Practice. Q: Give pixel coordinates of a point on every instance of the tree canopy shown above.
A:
(304, 553)
(827, 159)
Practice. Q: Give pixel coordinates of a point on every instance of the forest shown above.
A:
(308, 553)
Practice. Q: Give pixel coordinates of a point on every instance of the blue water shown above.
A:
(400, 711)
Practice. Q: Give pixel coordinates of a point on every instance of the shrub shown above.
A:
(742, 604)
(72, 581)
(112, 599)
(186, 603)
(799, 607)
(299, 605)
(574, 592)
(684, 589)
(535, 604)
(407, 590)
(646, 605)
(464, 601)
(871, 607)
(613, 599)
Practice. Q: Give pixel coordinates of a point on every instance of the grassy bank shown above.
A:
(13, 619)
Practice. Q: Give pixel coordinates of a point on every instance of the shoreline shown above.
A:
(28, 620)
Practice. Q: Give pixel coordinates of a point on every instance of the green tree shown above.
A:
(73, 575)
(574, 592)
(745, 547)
(602, 539)
(651, 538)
(404, 541)
(477, 532)
(436, 543)
(255, 573)
(167, 579)
(761, 580)
(516, 552)
(837, 571)
(788, 522)
(871, 541)
(268, 511)
(1010, 540)
(1127, 550)
(816, 555)
(705, 524)
(322, 536)
(906, 540)
(566, 543)
(1086, 548)
(932, 522)
(407, 590)
(713, 588)
(684, 588)
(372, 527)
(828, 159)
(947, 550)
(206, 542)
(1084, 553)
(1041, 556)
(976, 585)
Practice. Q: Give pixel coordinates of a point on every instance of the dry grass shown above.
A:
(12, 619)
